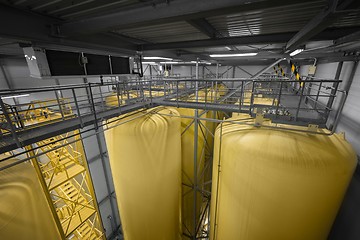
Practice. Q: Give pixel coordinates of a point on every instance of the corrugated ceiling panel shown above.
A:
(168, 32)
(267, 21)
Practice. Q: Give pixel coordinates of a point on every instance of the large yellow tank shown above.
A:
(113, 100)
(145, 159)
(277, 184)
(24, 211)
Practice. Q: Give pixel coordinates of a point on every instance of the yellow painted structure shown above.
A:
(63, 173)
(277, 184)
(145, 160)
(24, 210)
(39, 113)
(66, 180)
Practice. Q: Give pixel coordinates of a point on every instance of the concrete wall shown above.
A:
(347, 224)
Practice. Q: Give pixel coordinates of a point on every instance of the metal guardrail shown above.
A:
(280, 99)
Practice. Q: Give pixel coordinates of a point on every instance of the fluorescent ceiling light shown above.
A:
(297, 51)
(157, 58)
(233, 55)
(15, 96)
(150, 63)
(169, 62)
(201, 62)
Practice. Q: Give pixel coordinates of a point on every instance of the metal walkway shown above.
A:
(50, 111)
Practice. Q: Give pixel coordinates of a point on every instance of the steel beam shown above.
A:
(329, 34)
(32, 28)
(267, 68)
(348, 38)
(166, 12)
(265, 51)
(205, 27)
(171, 11)
(255, 39)
(8, 143)
(321, 21)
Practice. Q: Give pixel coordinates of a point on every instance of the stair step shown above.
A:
(62, 177)
(85, 231)
(77, 220)
(93, 237)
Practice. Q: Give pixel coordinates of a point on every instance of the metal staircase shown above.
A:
(62, 168)
(65, 174)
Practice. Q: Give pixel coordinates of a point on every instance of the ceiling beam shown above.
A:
(179, 10)
(205, 27)
(329, 34)
(34, 29)
(320, 22)
(266, 50)
(127, 38)
(255, 39)
(348, 38)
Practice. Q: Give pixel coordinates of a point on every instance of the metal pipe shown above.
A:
(218, 180)
(344, 96)
(77, 108)
(267, 68)
(196, 125)
(60, 107)
(335, 86)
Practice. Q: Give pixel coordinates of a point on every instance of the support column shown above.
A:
(233, 75)
(106, 179)
(344, 96)
(196, 130)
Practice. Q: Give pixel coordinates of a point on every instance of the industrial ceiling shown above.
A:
(185, 29)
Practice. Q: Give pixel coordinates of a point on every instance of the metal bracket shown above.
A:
(313, 127)
(259, 119)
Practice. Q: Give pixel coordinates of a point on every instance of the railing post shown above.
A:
(93, 107)
(118, 96)
(241, 95)
(102, 98)
(317, 95)
(177, 92)
(279, 98)
(77, 108)
(206, 92)
(59, 104)
(299, 104)
(252, 98)
(164, 88)
(150, 91)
